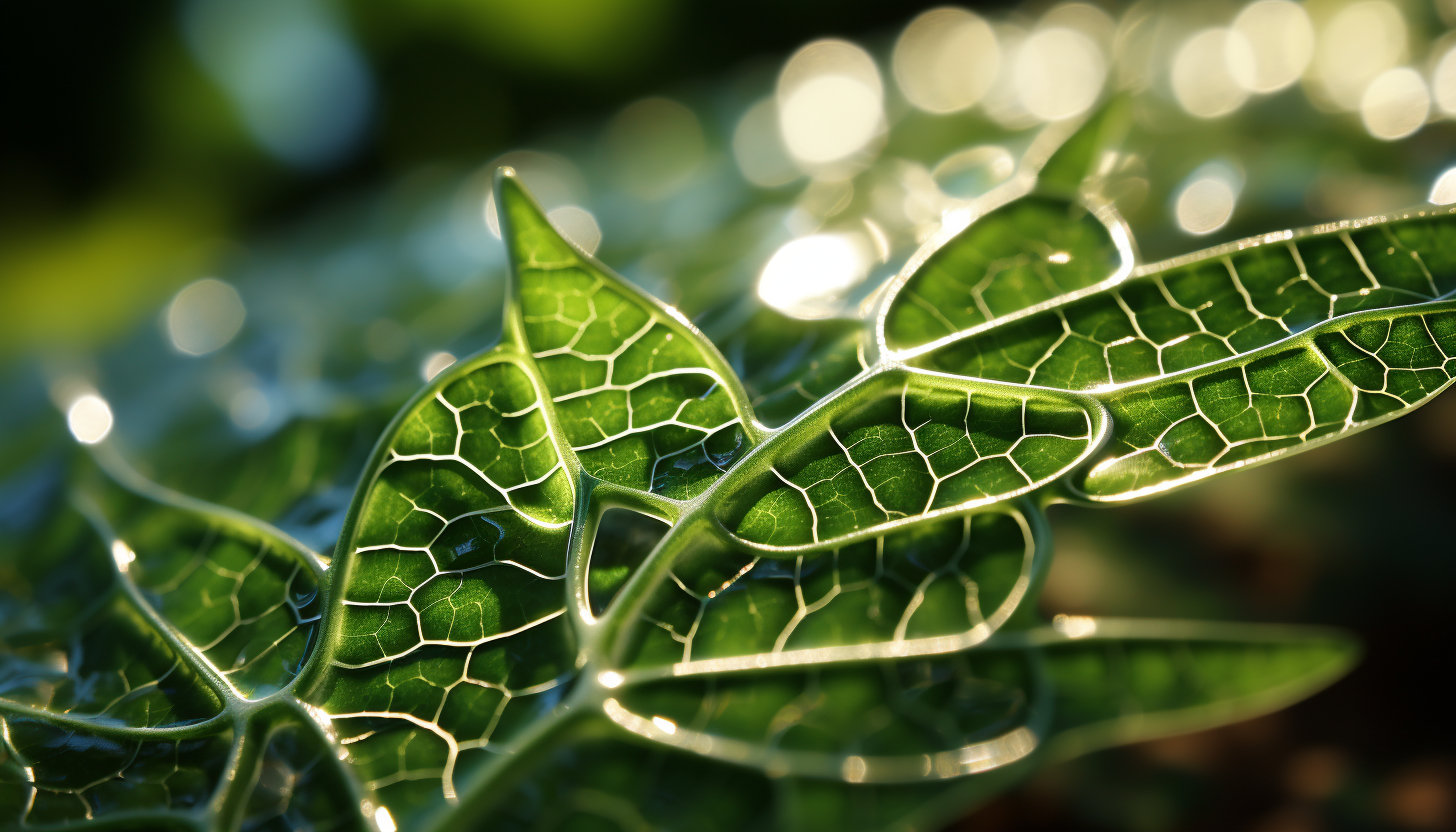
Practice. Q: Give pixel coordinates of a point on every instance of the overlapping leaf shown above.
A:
(582, 584)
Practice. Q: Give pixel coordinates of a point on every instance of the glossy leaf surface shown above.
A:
(584, 584)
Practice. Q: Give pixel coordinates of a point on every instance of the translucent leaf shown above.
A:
(928, 588)
(788, 365)
(1331, 380)
(900, 447)
(238, 593)
(1029, 252)
(640, 395)
(1120, 681)
(581, 585)
(449, 632)
(104, 661)
(52, 775)
(297, 787)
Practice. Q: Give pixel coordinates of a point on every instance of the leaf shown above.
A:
(260, 589)
(1029, 252)
(448, 632)
(788, 365)
(922, 589)
(640, 396)
(903, 446)
(51, 775)
(582, 585)
(1119, 681)
(1237, 354)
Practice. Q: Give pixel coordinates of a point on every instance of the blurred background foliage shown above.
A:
(252, 226)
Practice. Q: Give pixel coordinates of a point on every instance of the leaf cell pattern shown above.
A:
(1031, 251)
(111, 666)
(245, 599)
(451, 631)
(1340, 377)
(642, 398)
(830, 629)
(924, 589)
(787, 366)
(919, 446)
(52, 775)
(886, 722)
(1116, 681)
(297, 789)
(1198, 310)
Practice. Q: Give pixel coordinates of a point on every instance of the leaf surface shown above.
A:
(582, 584)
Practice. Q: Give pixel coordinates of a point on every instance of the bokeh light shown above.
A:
(808, 277)
(1206, 201)
(758, 147)
(1443, 192)
(1443, 82)
(89, 419)
(654, 146)
(946, 60)
(122, 555)
(249, 408)
(830, 101)
(1058, 73)
(204, 316)
(297, 82)
(1280, 38)
(1396, 104)
(435, 363)
(1086, 18)
(1211, 72)
(968, 173)
(1360, 42)
(553, 180)
(578, 225)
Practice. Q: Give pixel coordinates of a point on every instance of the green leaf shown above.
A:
(241, 597)
(639, 394)
(582, 584)
(1029, 252)
(900, 447)
(1120, 681)
(788, 365)
(1075, 161)
(52, 775)
(1235, 355)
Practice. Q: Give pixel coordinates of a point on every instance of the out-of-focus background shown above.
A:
(242, 231)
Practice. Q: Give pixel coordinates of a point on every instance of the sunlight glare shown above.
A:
(1058, 73)
(435, 364)
(758, 147)
(1281, 43)
(577, 225)
(807, 277)
(204, 316)
(1211, 72)
(1444, 191)
(946, 60)
(831, 102)
(1443, 82)
(1359, 43)
(122, 555)
(89, 419)
(1396, 104)
(1206, 203)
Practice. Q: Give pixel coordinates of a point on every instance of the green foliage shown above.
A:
(583, 585)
